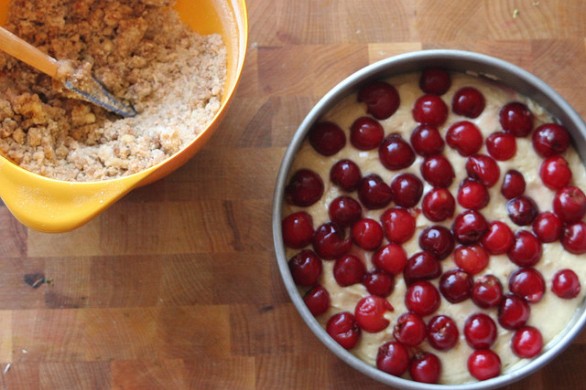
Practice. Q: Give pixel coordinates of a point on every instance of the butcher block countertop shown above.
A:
(176, 286)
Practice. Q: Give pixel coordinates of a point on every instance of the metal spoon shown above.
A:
(84, 85)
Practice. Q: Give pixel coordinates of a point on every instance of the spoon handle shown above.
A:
(25, 52)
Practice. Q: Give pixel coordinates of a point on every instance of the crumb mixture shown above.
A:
(142, 53)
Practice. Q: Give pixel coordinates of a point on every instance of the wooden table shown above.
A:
(176, 286)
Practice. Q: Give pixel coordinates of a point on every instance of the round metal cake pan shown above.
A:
(453, 60)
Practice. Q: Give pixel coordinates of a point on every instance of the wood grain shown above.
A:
(176, 286)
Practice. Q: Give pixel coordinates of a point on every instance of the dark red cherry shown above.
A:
(427, 140)
(382, 99)
(422, 266)
(574, 238)
(513, 312)
(501, 146)
(566, 284)
(456, 285)
(465, 137)
(406, 190)
(569, 204)
(438, 171)
(483, 168)
(367, 234)
(346, 175)
(366, 133)
(430, 110)
(373, 192)
(342, 327)
(330, 241)
(435, 81)
(390, 258)
(327, 138)
(522, 210)
(395, 153)
(422, 298)
(410, 329)
(345, 211)
(297, 230)
(469, 227)
(487, 291)
(480, 331)
(398, 225)
(317, 300)
(437, 240)
(473, 195)
(349, 270)
(513, 184)
(548, 227)
(555, 172)
(442, 332)
(379, 283)
(528, 283)
(438, 205)
(468, 102)
(516, 118)
(392, 358)
(526, 250)
(305, 268)
(304, 189)
(425, 367)
(550, 139)
(498, 239)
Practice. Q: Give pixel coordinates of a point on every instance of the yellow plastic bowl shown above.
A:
(57, 206)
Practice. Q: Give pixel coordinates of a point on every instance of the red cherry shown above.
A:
(501, 146)
(473, 195)
(513, 312)
(330, 241)
(390, 258)
(382, 99)
(366, 133)
(422, 298)
(435, 81)
(516, 118)
(526, 250)
(480, 331)
(304, 189)
(367, 234)
(398, 224)
(346, 175)
(566, 284)
(527, 342)
(427, 140)
(527, 283)
(513, 184)
(344, 210)
(369, 313)
(555, 172)
(548, 227)
(421, 266)
(305, 268)
(455, 285)
(297, 230)
(438, 171)
(373, 192)
(430, 110)
(484, 364)
(425, 367)
(550, 139)
(327, 138)
(522, 210)
(348, 270)
(498, 239)
(395, 153)
(483, 168)
(569, 204)
(465, 137)
(342, 327)
(438, 205)
(392, 358)
(487, 291)
(438, 240)
(469, 227)
(406, 190)
(410, 329)
(574, 238)
(468, 102)
(379, 283)
(442, 332)
(317, 300)
(471, 258)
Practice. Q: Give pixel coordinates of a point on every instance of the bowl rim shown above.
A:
(531, 84)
